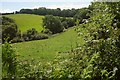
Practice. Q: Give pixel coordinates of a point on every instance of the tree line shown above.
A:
(46, 11)
(52, 24)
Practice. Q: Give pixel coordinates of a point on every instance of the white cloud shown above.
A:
(6, 11)
(46, 0)
(67, 6)
(31, 7)
(63, 6)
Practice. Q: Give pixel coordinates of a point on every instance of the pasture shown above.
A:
(47, 49)
(27, 21)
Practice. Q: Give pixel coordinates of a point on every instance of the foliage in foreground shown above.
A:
(9, 62)
(101, 52)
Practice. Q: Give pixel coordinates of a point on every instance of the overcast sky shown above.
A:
(16, 5)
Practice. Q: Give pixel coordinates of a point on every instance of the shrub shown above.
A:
(53, 24)
(67, 22)
(9, 29)
(70, 22)
(40, 36)
(83, 13)
(17, 39)
(9, 63)
(32, 34)
(65, 25)
(47, 31)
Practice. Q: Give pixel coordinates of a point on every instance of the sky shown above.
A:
(16, 5)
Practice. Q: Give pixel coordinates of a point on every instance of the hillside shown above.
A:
(88, 50)
(27, 21)
(47, 49)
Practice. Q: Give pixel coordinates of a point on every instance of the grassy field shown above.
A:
(27, 21)
(49, 48)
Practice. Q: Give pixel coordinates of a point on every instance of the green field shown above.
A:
(42, 49)
(27, 21)
(47, 49)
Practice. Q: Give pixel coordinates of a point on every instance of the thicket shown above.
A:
(29, 35)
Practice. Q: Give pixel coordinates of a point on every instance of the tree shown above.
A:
(9, 29)
(54, 12)
(70, 22)
(53, 24)
(82, 14)
(64, 23)
(27, 11)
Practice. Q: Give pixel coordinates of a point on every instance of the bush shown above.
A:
(83, 13)
(9, 63)
(17, 39)
(9, 29)
(53, 24)
(29, 35)
(70, 22)
(47, 31)
(67, 22)
(40, 36)
(65, 25)
(32, 34)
